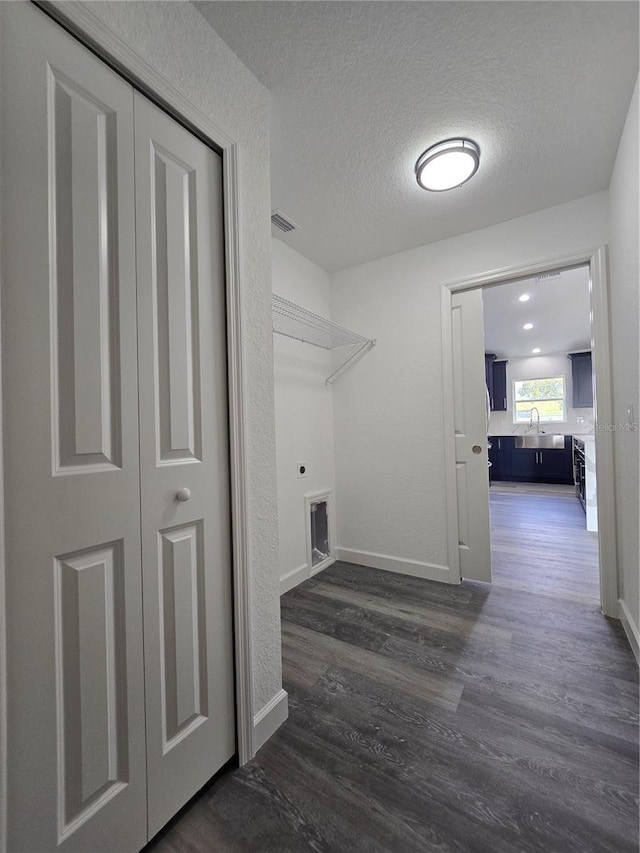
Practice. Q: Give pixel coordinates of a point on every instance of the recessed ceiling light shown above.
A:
(524, 298)
(528, 326)
(447, 164)
(536, 350)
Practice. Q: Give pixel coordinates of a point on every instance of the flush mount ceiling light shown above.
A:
(528, 326)
(535, 350)
(524, 298)
(447, 164)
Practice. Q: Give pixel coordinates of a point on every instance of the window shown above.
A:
(547, 395)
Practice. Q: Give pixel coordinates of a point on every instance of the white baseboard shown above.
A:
(399, 565)
(293, 578)
(630, 629)
(269, 719)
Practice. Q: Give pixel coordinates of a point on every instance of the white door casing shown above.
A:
(76, 762)
(470, 435)
(184, 452)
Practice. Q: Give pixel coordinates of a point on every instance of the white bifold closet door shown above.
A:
(184, 461)
(119, 624)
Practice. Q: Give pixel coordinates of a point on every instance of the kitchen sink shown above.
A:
(541, 441)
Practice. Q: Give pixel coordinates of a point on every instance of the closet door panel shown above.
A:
(76, 760)
(83, 149)
(184, 461)
(83, 188)
(175, 291)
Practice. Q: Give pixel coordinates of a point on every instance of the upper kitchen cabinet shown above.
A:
(496, 378)
(499, 386)
(582, 380)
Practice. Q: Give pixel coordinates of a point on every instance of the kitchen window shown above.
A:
(547, 395)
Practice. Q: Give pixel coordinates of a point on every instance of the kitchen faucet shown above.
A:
(534, 408)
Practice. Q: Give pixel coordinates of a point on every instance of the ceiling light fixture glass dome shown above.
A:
(447, 164)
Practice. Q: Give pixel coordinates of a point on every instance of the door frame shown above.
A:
(81, 22)
(596, 259)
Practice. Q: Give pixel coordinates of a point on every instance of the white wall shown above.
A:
(390, 454)
(541, 367)
(174, 39)
(624, 269)
(304, 410)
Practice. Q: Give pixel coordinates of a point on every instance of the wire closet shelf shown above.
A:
(295, 322)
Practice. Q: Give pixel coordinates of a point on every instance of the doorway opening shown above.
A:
(466, 429)
(541, 435)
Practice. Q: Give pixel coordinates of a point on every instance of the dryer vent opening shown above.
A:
(319, 522)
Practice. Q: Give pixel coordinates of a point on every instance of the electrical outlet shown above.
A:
(301, 468)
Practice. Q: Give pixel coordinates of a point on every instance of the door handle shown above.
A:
(476, 448)
(183, 494)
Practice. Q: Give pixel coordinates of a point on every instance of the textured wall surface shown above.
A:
(390, 472)
(173, 38)
(625, 273)
(304, 405)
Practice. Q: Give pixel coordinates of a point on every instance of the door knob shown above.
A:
(183, 494)
(476, 448)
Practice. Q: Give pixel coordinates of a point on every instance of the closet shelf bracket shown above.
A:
(295, 322)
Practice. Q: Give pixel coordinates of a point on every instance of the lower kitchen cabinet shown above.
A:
(523, 464)
(557, 464)
(497, 454)
(526, 465)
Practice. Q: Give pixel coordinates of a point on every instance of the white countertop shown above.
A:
(584, 436)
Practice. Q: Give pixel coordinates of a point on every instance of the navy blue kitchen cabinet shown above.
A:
(557, 465)
(499, 386)
(499, 455)
(495, 371)
(488, 375)
(523, 465)
(581, 374)
(526, 465)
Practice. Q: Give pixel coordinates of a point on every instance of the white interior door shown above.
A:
(184, 461)
(470, 430)
(76, 745)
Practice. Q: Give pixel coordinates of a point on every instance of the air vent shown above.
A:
(547, 275)
(280, 221)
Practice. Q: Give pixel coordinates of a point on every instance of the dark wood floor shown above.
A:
(426, 717)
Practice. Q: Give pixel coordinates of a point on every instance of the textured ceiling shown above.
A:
(559, 309)
(360, 89)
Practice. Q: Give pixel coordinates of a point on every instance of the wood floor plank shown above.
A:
(433, 617)
(430, 687)
(426, 717)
